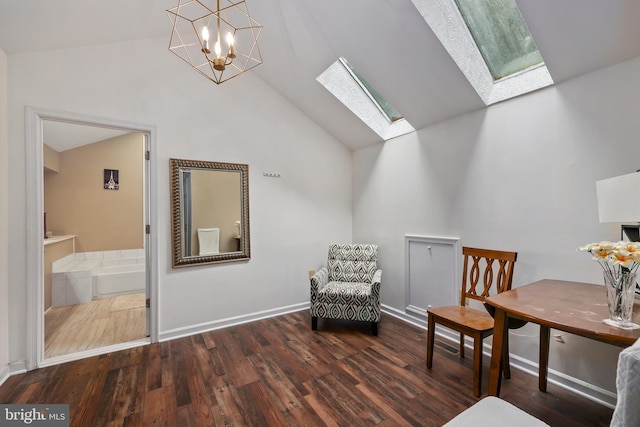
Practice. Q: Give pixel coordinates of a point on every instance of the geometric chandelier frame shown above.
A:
(218, 38)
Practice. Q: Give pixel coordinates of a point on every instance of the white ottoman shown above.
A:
(494, 412)
(627, 412)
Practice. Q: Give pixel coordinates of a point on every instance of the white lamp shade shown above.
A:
(619, 198)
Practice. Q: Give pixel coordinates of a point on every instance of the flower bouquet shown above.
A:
(620, 261)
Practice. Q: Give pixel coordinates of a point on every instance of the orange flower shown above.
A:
(624, 258)
(610, 254)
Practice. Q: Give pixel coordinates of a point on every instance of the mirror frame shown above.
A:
(177, 220)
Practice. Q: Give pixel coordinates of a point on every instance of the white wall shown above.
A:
(520, 176)
(4, 229)
(293, 218)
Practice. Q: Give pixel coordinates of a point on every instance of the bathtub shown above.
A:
(113, 280)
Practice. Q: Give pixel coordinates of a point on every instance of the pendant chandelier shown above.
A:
(218, 38)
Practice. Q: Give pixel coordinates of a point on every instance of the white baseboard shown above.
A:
(51, 361)
(414, 320)
(4, 374)
(575, 385)
(17, 367)
(231, 321)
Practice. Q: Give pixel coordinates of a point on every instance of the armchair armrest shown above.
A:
(376, 282)
(319, 280)
(377, 277)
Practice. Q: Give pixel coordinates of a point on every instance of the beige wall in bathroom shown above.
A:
(51, 159)
(215, 204)
(76, 202)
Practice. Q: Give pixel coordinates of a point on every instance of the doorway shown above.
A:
(83, 298)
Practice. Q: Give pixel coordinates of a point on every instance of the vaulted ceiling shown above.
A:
(387, 41)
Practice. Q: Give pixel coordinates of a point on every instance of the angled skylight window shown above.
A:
(386, 108)
(501, 35)
(346, 84)
(491, 44)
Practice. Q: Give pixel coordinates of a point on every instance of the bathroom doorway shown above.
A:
(95, 290)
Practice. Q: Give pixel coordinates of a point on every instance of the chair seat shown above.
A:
(470, 318)
(347, 293)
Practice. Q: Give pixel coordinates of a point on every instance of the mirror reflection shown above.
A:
(210, 212)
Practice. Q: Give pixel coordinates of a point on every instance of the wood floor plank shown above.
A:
(229, 410)
(124, 399)
(185, 416)
(319, 407)
(333, 402)
(296, 374)
(153, 367)
(178, 376)
(159, 408)
(256, 394)
(74, 328)
(392, 414)
(105, 406)
(85, 411)
(278, 372)
(201, 400)
(133, 420)
(282, 391)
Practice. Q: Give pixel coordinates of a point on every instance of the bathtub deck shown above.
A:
(73, 328)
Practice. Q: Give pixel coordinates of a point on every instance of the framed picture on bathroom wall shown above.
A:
(111, 179)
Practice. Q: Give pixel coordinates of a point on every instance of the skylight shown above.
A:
(346, 84)
(387, 109)
(501, 35)
(490, 43)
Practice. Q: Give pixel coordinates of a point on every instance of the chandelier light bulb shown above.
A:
(205, 40)
(232, 50)
(219, 62)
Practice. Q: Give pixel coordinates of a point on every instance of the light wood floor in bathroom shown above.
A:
(74, 328)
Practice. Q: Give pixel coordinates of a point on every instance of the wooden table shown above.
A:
(572, 307)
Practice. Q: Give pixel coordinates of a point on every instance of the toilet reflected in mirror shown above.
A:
(208, 241)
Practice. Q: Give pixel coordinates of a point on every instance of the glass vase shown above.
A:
(620, 287)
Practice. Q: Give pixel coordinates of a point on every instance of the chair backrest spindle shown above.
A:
(495, 268)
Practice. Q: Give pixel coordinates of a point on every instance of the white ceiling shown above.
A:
(387, 41)
(63, 136)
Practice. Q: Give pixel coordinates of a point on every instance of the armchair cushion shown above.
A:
(349, 293)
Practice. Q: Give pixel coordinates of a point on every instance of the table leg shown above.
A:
(500, 332)
(545, 333)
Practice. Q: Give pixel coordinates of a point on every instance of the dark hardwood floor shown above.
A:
(277, 372)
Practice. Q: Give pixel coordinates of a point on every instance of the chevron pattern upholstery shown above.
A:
(349, 286)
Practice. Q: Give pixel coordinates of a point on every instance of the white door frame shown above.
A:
(35, 230)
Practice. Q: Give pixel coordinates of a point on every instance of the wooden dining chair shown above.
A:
(485, 273)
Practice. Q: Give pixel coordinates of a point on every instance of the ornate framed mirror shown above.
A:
(210, 212)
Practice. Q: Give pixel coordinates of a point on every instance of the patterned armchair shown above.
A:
(348, 287)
